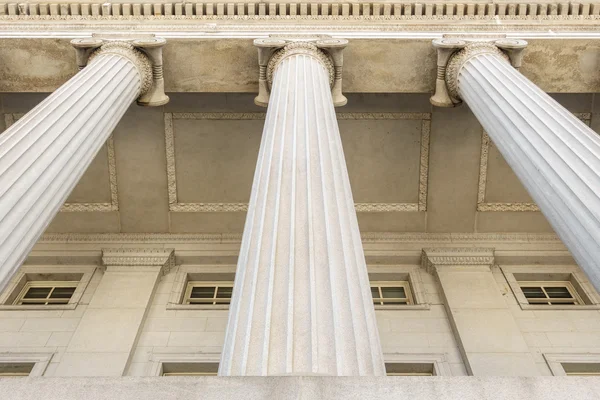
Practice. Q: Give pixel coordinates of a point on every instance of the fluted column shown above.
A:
(44, 154)
(554, 154)
(301, 303)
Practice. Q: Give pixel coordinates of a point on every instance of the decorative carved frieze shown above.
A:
(454, 53)
(273, 50)
(432, 258)
(135, 258)
(145, 53)
(176, 206)
(427, 9)
(367, 237)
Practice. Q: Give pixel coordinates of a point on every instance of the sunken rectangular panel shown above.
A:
(97, 188)
(214, 161)
(499, 188)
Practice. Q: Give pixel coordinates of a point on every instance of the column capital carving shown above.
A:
(453, 54)
(433, 258)
(145, 53)
(273, 50)
(138, 259)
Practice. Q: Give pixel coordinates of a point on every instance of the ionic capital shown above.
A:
(453, 55)
(272, 51)
(145, 54)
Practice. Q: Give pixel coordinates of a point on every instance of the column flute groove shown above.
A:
(554, 154)
(301, 303)
(45, 153)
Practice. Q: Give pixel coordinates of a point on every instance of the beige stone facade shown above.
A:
(131, 282)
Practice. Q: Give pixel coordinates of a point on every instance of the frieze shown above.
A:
(132, 257)
(432, 258)
(367, 237)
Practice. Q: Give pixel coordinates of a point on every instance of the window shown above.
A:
(37, 287)
(15, 369)
(46, 292)
(551, 287)
(200, 292)
(184, 363)
(573, 364)
(409, 369)
(190, 369)
(23, 364)
(391, 293)
(581, 369)
(202, 287)
(550, 293)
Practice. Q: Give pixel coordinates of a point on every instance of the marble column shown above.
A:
(555, 155)
(301, 303)
(44, 154)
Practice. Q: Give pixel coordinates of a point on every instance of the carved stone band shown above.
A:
(460, 58)
(127, 50)
(306, 48)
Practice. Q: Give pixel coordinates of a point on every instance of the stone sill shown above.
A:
(38, 307)
(197, 307)
(302, 388)
(412, 307)
(540, 307)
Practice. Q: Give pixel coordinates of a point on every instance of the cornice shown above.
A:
(258, 11)
(432, 258)
(136, 258)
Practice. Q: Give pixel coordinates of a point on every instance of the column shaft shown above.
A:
(554, 154)
(301, 303)
(44, 154)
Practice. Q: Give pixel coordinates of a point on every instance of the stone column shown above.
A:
(44, 154)
(301, 303)
(106, 337)
(554, 154)
(488, 336)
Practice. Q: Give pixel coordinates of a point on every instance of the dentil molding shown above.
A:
(136, 258)
(427, 9)
(432, 258)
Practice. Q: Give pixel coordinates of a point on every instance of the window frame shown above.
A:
(158, 359)
(401, 273)
(551, 273)
(575, 297)
(555, 361)
(439, 362)
(393, 284)
(21, 278)
(189, 273)
(40, 361)
(215, 300)
(20, 299)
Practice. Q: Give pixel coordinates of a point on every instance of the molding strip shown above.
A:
(312, 10)
(176, 206)
(367, 237)
(10, 119)
(484, 206)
